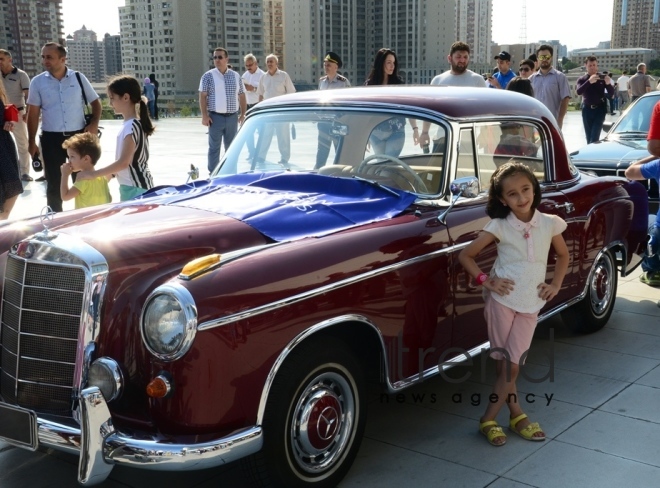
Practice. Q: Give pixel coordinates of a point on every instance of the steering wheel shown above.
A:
(418, 187)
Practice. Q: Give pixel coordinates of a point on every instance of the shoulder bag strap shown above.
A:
(83, 91)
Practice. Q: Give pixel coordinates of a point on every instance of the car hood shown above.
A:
(221, 215)
(611, 152)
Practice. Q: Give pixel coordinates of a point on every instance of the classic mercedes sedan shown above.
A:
(241, 317)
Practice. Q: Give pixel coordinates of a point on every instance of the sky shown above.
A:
(565, 20)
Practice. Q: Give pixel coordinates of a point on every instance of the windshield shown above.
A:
(378, 146)
(638, 118)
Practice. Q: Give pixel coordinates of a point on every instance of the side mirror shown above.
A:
(467, 187)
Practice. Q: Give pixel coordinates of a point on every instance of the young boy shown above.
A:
(83, 151)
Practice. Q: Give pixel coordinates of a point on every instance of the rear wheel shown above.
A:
(594, 310)
(314, 418)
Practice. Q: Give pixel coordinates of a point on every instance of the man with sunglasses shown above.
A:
(526, 68)
(222, 103)
(550, 86)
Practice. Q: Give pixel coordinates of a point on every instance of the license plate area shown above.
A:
(18, 426)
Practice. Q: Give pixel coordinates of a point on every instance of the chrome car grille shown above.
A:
(42, 309)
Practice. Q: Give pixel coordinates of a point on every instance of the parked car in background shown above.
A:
(624, 143)
(242, 317)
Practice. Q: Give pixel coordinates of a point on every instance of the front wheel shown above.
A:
(314, 418)
(594, 310)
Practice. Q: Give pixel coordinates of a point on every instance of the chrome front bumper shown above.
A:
(100, 446)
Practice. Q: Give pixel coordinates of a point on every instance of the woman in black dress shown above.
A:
(10, 179)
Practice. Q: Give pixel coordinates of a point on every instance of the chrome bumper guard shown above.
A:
(100, 446)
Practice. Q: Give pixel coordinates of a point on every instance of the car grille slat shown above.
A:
(42, 309)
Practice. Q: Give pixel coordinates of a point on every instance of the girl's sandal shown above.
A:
(528, 432)
(495, 432)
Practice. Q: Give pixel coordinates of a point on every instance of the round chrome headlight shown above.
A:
(106, 375)
(169, 322)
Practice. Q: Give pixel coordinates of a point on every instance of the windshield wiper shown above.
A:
(629, 132)
(376, 184)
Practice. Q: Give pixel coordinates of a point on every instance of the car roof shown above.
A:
(451, 101)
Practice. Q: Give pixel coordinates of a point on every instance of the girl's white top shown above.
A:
(524, 260)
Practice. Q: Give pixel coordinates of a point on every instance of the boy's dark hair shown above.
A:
(459, 46)
(85, 144)
(495, 208)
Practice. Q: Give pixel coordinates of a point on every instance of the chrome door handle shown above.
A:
(568, 207)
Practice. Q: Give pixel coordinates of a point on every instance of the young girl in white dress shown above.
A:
(516, 289)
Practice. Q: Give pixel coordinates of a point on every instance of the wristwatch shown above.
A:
(481, 278)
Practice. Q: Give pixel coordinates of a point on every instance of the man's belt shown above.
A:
(63, 134)
(224, 115)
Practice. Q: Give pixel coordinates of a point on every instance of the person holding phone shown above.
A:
(592, 87)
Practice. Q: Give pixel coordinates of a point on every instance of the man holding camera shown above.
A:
(592, 87)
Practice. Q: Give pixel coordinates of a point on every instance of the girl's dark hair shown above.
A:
(495, 208)
(123, 84)
(521, 85)
(377, 75)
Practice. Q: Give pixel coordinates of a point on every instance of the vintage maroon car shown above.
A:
(241, 317)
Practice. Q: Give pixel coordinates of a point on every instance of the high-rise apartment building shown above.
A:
(474, 25)
(274, 31)
(86, 54)
(419, 31)
(25, 26)
(636, 23)
(175, 39)
(112, 48)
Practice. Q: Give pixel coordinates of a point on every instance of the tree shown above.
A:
(567, 64)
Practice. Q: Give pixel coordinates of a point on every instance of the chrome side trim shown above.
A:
(444, 366)
(325, 289)
(300, 338)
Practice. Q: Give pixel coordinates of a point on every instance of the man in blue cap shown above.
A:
(504, 74)
(331, 80)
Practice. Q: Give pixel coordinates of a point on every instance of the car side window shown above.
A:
(499, 142)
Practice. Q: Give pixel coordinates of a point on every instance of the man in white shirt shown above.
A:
(622, 83)
(251, 79)
(275, 82)
(222, 103)
(459, 75)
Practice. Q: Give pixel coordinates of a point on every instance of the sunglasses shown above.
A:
(525, 69)
(544, 57)
(249, 65)
(218, 57)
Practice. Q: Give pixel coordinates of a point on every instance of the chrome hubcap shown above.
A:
(322, 422)
(600, 289)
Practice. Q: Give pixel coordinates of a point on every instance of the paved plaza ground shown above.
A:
(600, 411)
